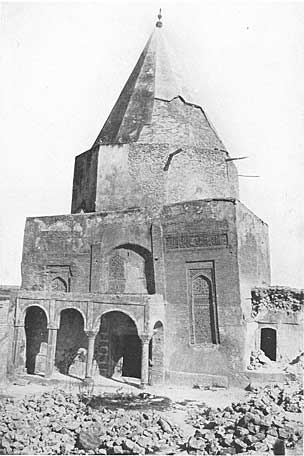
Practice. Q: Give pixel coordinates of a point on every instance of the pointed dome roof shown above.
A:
(155, 76)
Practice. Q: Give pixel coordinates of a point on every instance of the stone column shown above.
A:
(145, 339)
(90, 353)
(51, 351)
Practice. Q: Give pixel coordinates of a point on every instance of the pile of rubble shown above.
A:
(63, 423)
(258, 359)
(60, 423)
(259, 424)
(132, 433)
(296, 366)
(289, 397)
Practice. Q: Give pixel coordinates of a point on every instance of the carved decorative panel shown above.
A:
(203, 326)
(116, 267)
(117, 279)
(201, 310)
(198, 240)
(58, 277)
(58, 284)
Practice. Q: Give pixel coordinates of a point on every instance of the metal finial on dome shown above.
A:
(159, 22)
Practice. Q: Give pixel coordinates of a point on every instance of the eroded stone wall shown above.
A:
(148, 175)
(109, 253)
(77, 249)
(280, 309)
(200, 238)
(175, 122)
(276, 299)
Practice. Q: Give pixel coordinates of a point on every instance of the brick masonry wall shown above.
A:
(146, 175)
(66, 241)
(206, 233)
(207, 217)
(178, 122)
(280, 308)
(253, 254)
(253, 264)
(131, 173)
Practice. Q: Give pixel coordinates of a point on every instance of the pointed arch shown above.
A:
(36, 333)
(70, 338)
(59, 284)
(117, 348)
(202, 311)
(130, 269)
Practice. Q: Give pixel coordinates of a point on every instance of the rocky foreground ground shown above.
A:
(268, 420)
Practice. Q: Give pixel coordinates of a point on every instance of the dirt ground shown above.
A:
(220, 397)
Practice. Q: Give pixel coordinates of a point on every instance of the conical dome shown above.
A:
(157, 77)
(157, 146)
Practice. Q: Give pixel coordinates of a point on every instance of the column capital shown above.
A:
(91, 334)
(145, 337)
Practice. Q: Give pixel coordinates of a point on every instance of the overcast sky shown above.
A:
(63, 65)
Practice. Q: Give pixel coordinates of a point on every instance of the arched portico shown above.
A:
(36, 333)
(141, 312)
(70, 338)
(117, 349)
(77, 306)
(22, 311)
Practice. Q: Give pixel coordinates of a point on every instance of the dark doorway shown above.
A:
(117, 346)
(269, 343)
(70, 338)
(36, 339)
(132, 356)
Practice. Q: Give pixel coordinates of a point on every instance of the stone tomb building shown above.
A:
(153, 268)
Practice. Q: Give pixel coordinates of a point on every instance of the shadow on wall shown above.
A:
(117, 348)
(70, 338)
(36, 335)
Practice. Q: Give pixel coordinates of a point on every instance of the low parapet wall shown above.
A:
(276, 298)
